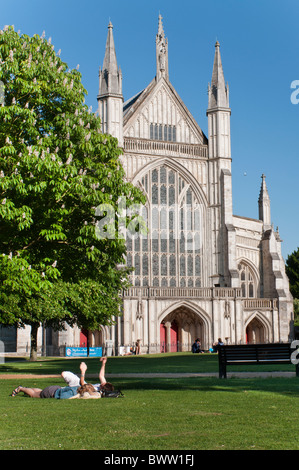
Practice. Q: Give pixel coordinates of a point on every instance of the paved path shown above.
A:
(242, 375)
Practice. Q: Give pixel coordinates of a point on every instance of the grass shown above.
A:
(195, 413)
(155, 363)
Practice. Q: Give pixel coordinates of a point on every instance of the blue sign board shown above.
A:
(82, 352)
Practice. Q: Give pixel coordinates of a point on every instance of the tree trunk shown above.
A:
(33, 348)
(87, 343)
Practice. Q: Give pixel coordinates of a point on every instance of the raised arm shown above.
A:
(83, 369)
(102, 370)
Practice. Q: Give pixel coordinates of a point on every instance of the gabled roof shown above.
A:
(129, 107)
(134, 106)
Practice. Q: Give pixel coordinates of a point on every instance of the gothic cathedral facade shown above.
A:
(200, 271)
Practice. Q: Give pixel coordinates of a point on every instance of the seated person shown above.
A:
(196, 347)
(217, 344)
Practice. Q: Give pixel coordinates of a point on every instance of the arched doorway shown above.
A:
(169, 337)
(83, 338)
(94, 338)
(255, 332)
(180, 328)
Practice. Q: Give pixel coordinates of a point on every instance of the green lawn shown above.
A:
(152, 363)
(175, 414)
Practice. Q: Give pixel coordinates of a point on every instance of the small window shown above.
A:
(162, 132)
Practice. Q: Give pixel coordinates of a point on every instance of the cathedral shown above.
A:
(200, 271)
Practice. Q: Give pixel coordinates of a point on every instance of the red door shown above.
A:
(162, 338)
(83, 338)
(173, 346)
(174, 337)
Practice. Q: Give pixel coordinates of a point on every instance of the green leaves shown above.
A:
(292, 270)
(56, 168)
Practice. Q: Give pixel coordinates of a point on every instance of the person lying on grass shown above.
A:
(55, 391)
(73, 380)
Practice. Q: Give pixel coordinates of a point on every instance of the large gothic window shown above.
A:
(170, 254)
(247, 283)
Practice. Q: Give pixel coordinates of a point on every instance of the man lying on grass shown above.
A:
(55, 391)
(77, 388)
(73, 380)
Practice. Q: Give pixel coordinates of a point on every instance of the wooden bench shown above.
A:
(272, 353)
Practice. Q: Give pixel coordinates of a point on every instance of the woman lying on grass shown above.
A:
(55, 391)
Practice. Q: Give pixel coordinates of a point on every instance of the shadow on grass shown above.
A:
(283, 386)
(280, 386)
(159, 363)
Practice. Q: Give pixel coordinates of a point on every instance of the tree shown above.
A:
(56, 170)
(292, 270)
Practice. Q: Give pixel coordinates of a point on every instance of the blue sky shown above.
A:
(260, 54)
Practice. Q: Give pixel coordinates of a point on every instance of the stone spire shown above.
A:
(224, 261)
(110, 76)
(264, 204)
(161, 52)
(110, 97)
(218, 91)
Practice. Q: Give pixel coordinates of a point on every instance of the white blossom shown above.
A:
(69, 160)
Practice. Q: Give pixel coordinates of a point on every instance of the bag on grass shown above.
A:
(111, 394)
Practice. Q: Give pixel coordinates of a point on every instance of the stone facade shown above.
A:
(200, 271)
